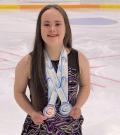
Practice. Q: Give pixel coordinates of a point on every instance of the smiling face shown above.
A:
(52, 28)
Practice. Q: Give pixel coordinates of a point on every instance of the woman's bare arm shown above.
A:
(22, 73)
(84, 81)
(20, 84)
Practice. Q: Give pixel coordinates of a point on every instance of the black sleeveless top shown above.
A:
(59, 124)
(73, 80)
(55, 64)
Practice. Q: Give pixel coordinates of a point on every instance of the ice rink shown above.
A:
(96, 33)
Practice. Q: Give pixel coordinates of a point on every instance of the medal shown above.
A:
(65, 108)
(49, 111)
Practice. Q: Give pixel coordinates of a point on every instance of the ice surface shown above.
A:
(98, 40)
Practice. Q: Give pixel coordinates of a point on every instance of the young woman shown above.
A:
(58, 78)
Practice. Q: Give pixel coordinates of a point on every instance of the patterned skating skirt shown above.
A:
(57, 125)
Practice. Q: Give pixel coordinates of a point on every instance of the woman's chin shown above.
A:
(53, 44)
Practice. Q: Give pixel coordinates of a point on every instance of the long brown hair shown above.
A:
(38, 65)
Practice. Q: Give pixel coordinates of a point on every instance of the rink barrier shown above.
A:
(66, 6)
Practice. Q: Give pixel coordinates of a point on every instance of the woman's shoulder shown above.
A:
(77, 53)
(25, 60)
(82, 56)
(83, 60)
(24, 64)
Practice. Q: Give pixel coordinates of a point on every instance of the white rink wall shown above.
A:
(39, 1)
(64, 1)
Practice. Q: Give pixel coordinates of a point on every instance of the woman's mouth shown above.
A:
(53, 35)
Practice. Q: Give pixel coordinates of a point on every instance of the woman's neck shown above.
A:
(54, 53)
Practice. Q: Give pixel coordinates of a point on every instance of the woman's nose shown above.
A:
(52, 28)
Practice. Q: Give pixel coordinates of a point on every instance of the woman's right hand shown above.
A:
(38, 118)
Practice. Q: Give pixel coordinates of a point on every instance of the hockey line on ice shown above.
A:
(98, 66)
(105, 56)
(106, 78)
(97, 85)
(10, 53)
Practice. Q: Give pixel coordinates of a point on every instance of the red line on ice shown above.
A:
(104, 56)
(106, 78)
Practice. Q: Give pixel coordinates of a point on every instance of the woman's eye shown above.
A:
(46, 24)
(57, 24)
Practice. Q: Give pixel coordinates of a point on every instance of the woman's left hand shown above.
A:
(75, 112)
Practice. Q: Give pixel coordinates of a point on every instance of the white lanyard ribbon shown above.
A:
(57, 84)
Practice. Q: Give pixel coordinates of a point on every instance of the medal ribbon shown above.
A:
(57, 82)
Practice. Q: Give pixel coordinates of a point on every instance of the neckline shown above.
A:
(67, 54)
(55, 60)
